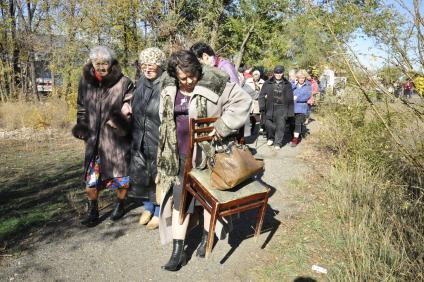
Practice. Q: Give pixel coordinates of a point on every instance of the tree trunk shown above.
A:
(126, 53)
(214, 34)
(3, 82)
(34, 91)
(14, 46)
(243, 46)
(213, 42)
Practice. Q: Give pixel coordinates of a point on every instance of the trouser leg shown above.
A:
(299, 121)
(262, 121)
(280, 130)
(270, 129)
(157, 211)
(148, 206)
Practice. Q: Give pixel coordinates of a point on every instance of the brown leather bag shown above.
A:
(233, 166)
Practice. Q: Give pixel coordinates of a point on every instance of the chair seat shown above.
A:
(245, 189)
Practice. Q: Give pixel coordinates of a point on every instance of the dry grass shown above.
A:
(366, 219)
(52, 113)
(375, 191)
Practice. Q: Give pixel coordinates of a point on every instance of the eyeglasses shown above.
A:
(148, 67)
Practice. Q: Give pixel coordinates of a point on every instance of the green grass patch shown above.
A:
(304, 240)
(40, 181)
(29, 219)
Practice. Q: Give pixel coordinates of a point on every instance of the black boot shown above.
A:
(91, 218)
(118, 211)
(178, 256)
(201, 249)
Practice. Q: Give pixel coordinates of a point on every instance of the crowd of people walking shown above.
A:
(137, 136)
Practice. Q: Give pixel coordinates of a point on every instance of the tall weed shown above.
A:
(376, 191)
(52, 113)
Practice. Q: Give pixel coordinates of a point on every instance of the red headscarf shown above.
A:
(98, 76)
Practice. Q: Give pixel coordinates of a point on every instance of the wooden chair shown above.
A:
(249, 195)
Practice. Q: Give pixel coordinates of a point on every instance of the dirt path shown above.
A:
(125, 251)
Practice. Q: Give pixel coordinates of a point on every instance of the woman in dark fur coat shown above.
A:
(102, 91)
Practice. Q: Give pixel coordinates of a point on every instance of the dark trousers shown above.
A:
(299, 120)
(262, 120)
(276, 126)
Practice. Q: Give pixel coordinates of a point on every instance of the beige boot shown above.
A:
(153, 223)
(145, 217)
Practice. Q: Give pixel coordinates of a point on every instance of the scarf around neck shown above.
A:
(167, 156)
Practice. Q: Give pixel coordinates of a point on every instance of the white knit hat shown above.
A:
(152, 56)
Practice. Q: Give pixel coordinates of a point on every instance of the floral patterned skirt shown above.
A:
(93, 179)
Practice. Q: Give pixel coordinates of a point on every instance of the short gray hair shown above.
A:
(292, 72)
(102, 52)
(302, 73)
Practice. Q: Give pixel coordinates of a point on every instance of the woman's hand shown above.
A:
(126, 110)
(215, 135)
(111, 124)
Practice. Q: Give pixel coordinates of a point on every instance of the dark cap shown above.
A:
(279, 69)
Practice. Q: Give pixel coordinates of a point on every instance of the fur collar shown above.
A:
(108, 81)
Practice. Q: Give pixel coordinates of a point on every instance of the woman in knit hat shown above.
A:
(144, 109)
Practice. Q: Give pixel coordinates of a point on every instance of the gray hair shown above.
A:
(102, 52)
(302, 73)
(292, 72)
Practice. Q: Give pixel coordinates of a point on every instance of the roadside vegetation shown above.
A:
(52, 113)
(366, 217)
(375, 190)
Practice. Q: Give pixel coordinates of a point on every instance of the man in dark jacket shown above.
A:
(276, 103)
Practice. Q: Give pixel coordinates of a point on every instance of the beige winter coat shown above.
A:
(254, 89)
(232, 107)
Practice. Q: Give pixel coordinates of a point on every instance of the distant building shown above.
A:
(44, 47)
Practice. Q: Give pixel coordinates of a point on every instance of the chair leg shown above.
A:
(211, 234)
(260, 220)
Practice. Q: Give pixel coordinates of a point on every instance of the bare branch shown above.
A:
(395, 138)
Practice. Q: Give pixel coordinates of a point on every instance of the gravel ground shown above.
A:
(125, 251)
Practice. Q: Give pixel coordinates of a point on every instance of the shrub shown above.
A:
(52, 113)
(376, 189)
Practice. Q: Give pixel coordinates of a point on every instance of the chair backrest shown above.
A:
(200, 128)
